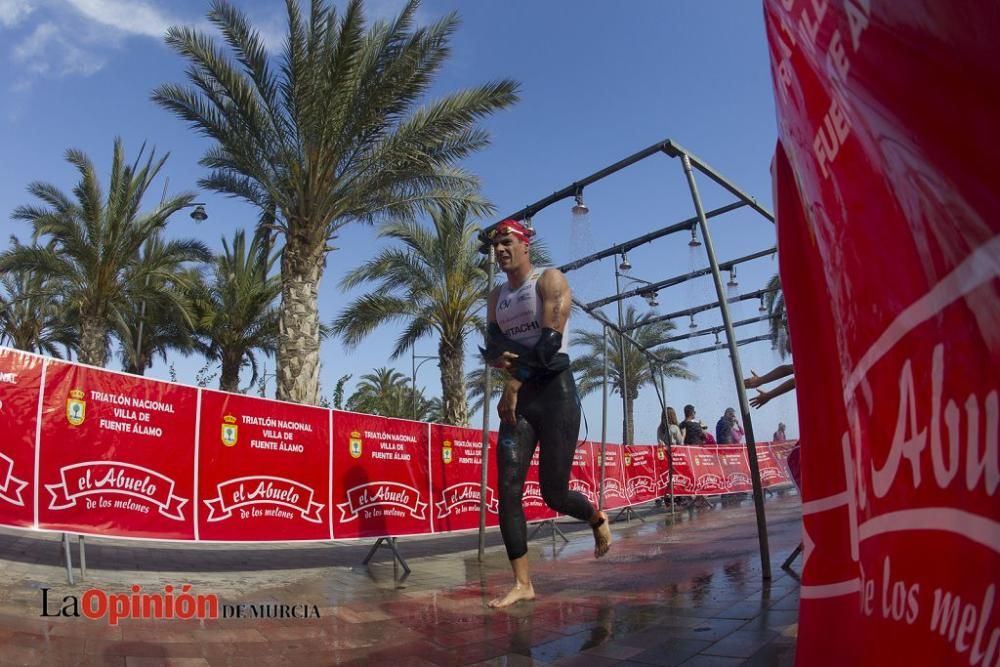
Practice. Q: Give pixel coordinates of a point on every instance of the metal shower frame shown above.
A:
(689, 163)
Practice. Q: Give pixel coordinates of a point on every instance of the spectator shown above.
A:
(663, 430)
(674, 427)
(779, 435)
(692, 431)
(724, 428)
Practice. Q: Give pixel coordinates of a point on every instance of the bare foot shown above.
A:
(602, 536)
(516, 594)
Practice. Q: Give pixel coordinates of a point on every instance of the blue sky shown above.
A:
(599, 81)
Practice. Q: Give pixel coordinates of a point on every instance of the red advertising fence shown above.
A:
(115, 454)
(887, 201)
(456, 460)
(98, 452)
(262, 469)
(381, 476)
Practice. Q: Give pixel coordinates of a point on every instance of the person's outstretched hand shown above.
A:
(752, 381)
(760, 399)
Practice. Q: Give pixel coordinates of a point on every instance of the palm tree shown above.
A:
(778, 317)
(589, 367)
(385, 392)
(157, 325)
(93, 246)
(431, 410)
(474, 381)
(331, 136)
(236, 318)
(30, 321)
(435, 282)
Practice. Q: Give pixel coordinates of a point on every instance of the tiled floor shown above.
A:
(687, 592)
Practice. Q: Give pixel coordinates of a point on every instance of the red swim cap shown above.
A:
(511, 226)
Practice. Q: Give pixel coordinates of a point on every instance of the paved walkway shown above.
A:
(683, 593)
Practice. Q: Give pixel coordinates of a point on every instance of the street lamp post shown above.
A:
(198, 215)
(413, 377)
(262, 382)
(623, 380)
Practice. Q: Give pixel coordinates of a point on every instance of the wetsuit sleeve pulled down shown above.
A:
(536, 363)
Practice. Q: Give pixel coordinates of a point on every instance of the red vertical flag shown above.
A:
(888, 214)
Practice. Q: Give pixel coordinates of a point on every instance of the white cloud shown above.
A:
(12, 11)
(129, 16)
(30, 51)
(48, 51)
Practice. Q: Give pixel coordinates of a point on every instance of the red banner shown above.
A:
(456, 460)
(380, 476)
(117, 454)
(683, 471)
(615, 493)
(265, 469)
(772, 472)
(262, 470)
(888, 210)
(584, 477)
(708, 476)
(640, 473)
(535, 508)
(20, 382)
(736, 469)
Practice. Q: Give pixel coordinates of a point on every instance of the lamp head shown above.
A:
(625, 265)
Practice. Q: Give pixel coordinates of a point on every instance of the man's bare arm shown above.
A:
(553, 290)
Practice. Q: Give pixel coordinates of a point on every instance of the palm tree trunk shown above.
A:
(298, 321)
(630, 410)
(135, 364)
(229, 380)
(452, 360)
(93, 341)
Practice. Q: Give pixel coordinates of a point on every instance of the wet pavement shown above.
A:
(687, 592)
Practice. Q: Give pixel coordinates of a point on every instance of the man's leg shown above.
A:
(557, 434)
(515, 446)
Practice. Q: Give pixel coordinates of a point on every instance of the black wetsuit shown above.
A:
(548, 414)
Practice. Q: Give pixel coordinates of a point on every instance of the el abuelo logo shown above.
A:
(356, 445)
(737, 479)
(465, 496)
(708, 480)
(389, 498)
(89, 478)
(230, 431)
(641, 484)
(76, 407)
(613, 487)
(279, 493)
(10, 486)
(446, 454)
